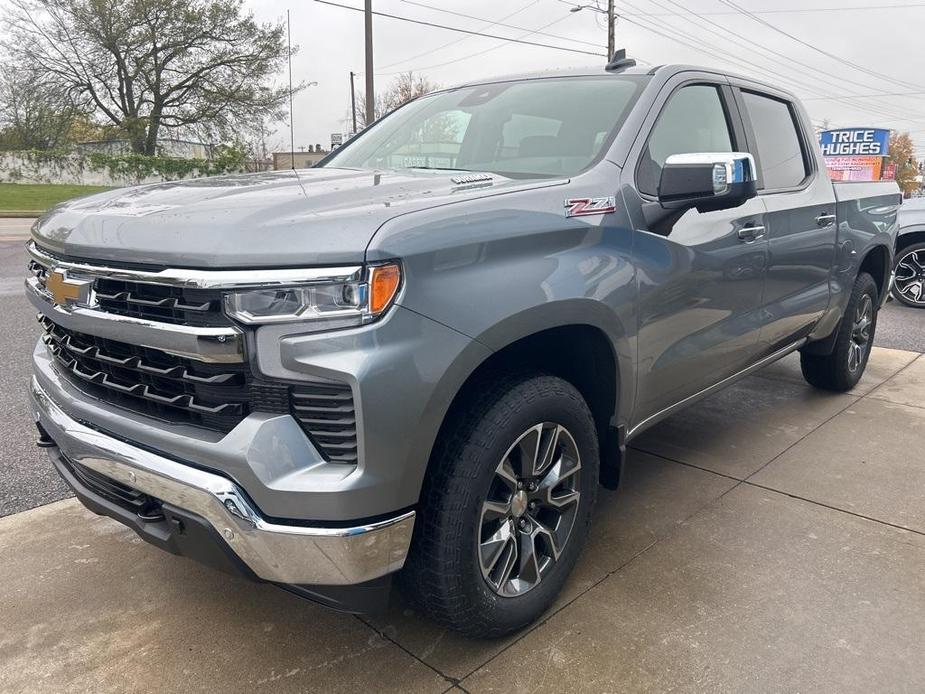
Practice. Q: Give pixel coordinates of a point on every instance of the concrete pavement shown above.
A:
(771, 538)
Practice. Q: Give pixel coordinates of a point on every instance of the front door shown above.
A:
(700, 279)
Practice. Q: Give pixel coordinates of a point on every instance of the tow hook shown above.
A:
(44, 440)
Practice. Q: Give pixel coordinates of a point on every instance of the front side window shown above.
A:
(781, 160)
(538, 127)
(692, 121)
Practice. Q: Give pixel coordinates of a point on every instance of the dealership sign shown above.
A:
(855, 142)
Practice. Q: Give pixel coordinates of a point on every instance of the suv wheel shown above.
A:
(909, 276)
(843, 368)
(506, 507)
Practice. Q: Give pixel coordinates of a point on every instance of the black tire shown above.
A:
(843, 368)
(909, 276)
(444, 572)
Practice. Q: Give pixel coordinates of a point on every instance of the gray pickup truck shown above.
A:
(420, 358)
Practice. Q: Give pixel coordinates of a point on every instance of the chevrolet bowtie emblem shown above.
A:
(68, 291)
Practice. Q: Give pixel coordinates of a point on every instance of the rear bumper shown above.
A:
(217, 509)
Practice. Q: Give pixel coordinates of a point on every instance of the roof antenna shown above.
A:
(619, 61)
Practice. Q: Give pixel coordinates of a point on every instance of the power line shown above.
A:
(477, 53)
(723, 32)
(488, 25)
(698, 44)
(463, 31)
(866, 96)
(806, 10)
(723, 55)
(499, 22)
(788, 60)
(752, 47)
(840, 59)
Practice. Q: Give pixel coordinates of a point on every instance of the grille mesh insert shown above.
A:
(150, 381)
(327, 415)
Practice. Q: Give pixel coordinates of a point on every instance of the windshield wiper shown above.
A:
(438, 168)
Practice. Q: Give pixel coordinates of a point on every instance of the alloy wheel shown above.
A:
(909, 278)
(531, 506)
(860, 333)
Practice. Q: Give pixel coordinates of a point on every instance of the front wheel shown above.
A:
(843, 368)
(909, 276)
(506, 507)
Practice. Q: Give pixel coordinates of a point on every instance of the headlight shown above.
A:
(321, 306)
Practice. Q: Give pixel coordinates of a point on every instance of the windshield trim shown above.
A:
(641, 80)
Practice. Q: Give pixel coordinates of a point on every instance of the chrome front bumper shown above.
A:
(290, 554)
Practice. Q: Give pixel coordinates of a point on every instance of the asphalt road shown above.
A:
(27, 479)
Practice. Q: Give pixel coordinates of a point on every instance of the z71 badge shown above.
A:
(580, 207)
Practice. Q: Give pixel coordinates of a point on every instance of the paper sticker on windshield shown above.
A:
(581, 207)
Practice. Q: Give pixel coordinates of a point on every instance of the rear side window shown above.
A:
(782, 161)
(693, 120)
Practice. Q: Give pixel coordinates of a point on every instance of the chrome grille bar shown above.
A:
(206, 279)
(216, 345)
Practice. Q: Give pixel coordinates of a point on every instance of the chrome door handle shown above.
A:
(751, 233)
(825, 220)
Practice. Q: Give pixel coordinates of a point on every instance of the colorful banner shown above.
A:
(854, 168)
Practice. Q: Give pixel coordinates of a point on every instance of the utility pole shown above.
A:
(611, 21)
(370, 89)
(291, 117)
(353, 103)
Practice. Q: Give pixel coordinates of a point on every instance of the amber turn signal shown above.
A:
(384, 281)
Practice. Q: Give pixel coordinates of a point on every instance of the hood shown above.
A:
(280, 218)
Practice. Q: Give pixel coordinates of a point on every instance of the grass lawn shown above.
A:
(27, 197)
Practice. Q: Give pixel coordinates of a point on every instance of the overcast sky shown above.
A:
(882, 38)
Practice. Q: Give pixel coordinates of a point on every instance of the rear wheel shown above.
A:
(506, 507)
(909, 276)
(843, 368)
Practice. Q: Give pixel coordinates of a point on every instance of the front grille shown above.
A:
(213, 396)
(156, 302)
(150, 381)
(327, 415)
(181, 390)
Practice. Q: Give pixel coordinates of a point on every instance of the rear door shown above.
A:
(701, 276)
(800, 217)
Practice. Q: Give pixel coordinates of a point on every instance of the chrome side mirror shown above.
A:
(707, 180)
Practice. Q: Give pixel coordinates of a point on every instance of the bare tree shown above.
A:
(404, 88)
(148, 65)
(33, 114)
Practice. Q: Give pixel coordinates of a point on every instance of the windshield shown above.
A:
(540, 127)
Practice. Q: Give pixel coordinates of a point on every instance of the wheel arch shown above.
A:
(585, 353)
(908, 237)
(877, 262)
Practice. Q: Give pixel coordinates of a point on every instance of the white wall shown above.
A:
(74, 168)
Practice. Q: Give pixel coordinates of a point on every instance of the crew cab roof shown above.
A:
(663, 71)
